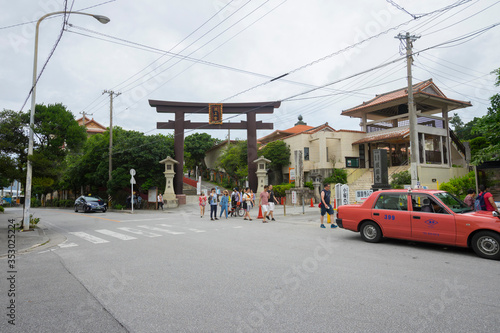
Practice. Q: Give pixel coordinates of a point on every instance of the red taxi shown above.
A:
(423, 215)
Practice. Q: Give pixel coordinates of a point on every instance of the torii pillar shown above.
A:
(179, 125)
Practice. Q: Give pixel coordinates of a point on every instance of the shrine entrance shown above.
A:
(215, 112)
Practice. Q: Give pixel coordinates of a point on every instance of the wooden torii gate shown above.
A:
(179, 125)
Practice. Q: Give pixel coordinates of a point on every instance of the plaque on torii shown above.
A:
(215, 116)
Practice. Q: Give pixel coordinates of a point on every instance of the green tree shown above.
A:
(489, 127)
(278, 152)
(234, 161)
(56, 135)
(131, 150)
(196, 146)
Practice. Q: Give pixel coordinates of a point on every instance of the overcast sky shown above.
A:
(234, 48)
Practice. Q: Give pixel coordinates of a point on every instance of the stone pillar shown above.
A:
(261, 173)
(317, 189)
(299, 169)
(169, 195)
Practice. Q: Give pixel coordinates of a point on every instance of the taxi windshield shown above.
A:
(455, 204)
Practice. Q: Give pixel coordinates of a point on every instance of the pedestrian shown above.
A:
(272, 200)
(202, 203)
(263, 202)
(469, 198)
(139, 201)
(252, 196)
(235, 201)
(213, 205)
(224, 202)
(326, 207)
(246, 204)
(160, 201)
(484, 200)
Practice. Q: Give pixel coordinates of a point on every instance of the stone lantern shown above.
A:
(169, 196)
(261, 172)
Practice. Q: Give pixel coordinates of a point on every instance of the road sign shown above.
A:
(132, 172)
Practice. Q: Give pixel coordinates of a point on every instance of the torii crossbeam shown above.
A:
(179, 125)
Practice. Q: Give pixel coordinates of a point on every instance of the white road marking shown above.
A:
(67, 245)
(140, 220)
(115, 234)
(139, 232)
(89, 238)
(162, 230)
(238, 227)
(190, 229)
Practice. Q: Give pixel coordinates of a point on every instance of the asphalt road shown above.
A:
(176, 272)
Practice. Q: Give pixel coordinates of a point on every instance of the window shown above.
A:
(392, 201)
(306, 153)
(426, 204)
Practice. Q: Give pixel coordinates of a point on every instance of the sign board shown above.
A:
(215, 113)
(291, 172)
(152, 194)
(342, 194)
(294, 197)
(362, 195)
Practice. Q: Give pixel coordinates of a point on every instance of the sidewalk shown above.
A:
(20, 241)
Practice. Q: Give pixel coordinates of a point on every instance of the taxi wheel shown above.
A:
(76, 208)
(486, 244)
(370, 232)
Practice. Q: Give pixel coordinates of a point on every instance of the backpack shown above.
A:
(479, 203)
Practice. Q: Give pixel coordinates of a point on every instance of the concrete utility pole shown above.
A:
(412, 112)
(111, 94)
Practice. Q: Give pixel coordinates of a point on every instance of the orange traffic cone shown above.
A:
(312, 204)
(260, 213)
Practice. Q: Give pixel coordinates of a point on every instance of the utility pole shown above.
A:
(111, 94)
(84, 113)
(412, 112)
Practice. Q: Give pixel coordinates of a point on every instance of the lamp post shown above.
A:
(29, 169)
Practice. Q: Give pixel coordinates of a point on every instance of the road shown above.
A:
(177, 272)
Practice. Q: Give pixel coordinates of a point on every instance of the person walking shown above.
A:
(213, 205)
(224, 201)
(202, 202)
(485, 200)
(326, 207)
(469, 198)
(246, 204)
(235, 201)
(272, 200)
(160, 201)
(263, 203)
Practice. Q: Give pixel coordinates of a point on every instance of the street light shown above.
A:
(29, 170)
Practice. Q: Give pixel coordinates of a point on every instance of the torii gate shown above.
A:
(179, 125)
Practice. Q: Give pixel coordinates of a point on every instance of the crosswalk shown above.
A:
(102, 236)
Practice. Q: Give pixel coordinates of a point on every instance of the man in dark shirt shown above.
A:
(272, 200)
(326, 207)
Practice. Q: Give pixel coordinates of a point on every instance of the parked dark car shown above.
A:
(90, 204)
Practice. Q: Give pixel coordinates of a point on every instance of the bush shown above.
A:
(309, 185)
(459, 185)
(401, 178)
(279, 190)
(2, 209)
(35, 202)
(338, 176)
(118, 206)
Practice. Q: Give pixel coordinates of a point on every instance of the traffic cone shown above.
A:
(260, 213)
(312, 204)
